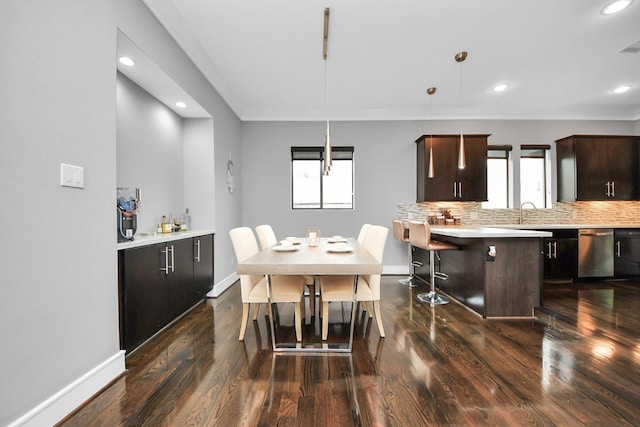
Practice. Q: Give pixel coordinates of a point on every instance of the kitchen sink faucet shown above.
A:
(526, 203)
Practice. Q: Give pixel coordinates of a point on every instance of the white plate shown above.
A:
(332, 240)
(281, 248)
(340, 250)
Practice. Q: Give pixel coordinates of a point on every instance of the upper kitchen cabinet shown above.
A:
(598, 167)
(450, 183)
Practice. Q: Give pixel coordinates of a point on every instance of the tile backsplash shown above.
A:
(471, 213)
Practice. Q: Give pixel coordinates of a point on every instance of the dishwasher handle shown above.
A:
(595, 233)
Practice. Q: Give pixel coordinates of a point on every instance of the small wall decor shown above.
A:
(230, 185)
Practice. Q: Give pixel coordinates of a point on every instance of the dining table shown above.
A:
(328, 257)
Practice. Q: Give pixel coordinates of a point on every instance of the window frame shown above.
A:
(545, 149)
(313, 153)
(506, 150)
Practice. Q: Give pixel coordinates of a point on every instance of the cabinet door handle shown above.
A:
(460, 189)
(555, 250)
(549, 250)
(173, 260)
(198, 250)
(455, 189)
(618, 248)
(608, 193)
(166, 260)
(613, 189)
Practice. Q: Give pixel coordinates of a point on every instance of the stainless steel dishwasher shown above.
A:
(595, 252)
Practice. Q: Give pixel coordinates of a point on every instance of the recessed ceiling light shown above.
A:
(622, 89)
(181, 104)
(501, 87)
(125, 60)
(616, 7)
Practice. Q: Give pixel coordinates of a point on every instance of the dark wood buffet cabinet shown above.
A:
(449, 182)
(159, 282)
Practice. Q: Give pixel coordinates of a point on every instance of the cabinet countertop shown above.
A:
(480, 232)
(515, 230)
(146, 239)
(531, 226)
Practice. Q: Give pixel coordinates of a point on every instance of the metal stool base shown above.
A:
(433, 298)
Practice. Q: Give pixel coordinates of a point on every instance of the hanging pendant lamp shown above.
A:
(327, 143)
(430, 173)
(462, 161)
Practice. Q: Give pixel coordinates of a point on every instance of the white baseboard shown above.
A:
(75, 394)
(395, 270)
(222, 286)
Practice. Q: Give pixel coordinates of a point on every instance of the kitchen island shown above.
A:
(508, 284)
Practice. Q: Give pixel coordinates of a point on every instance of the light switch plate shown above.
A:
(71, 176)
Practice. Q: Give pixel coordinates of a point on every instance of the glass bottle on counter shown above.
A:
(185, 221)
(166, 225)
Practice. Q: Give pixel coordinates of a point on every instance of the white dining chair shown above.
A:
(268, 239)
(340, 288)
(253, 289)
(363, 232)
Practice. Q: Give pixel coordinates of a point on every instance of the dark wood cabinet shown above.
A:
(449, 182)
(560, 255)
(598, 167)
(626, 260)
(202, 265)
(159, 282)
(508, 286)
(142, 294)
(180, 283)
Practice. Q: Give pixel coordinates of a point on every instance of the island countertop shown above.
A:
(475, 232)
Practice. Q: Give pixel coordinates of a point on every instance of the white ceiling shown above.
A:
(561, 58)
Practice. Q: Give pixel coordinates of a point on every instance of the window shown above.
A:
(497, 177)
(310, 189)
(533, 174)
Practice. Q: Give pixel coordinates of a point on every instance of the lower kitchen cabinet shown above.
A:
(202, 265)
(560, 255)
(143, 289)
(180, 283)
(626, 260)
(159, 282)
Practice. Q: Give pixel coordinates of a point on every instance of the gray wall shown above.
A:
(169, 157)
(59, 309)
(149, 153)
(58, 263)
(385, 168)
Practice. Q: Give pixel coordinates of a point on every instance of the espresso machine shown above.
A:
(128, 203)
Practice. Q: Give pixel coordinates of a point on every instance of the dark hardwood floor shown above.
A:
(578, 364)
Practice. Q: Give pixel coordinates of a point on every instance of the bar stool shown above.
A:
(420, 236)
(401, 233)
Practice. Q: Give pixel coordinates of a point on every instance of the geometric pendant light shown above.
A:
(430, 92)
(462, 161)
(327, 144)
